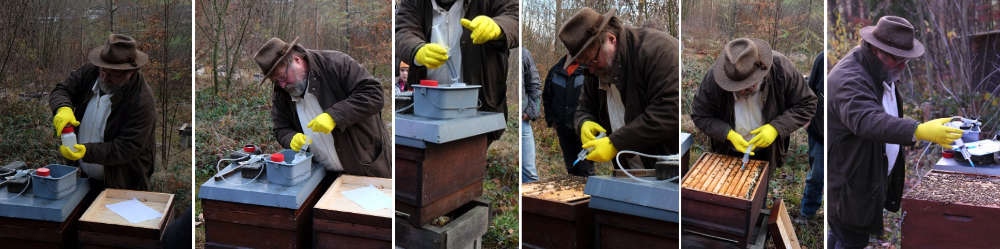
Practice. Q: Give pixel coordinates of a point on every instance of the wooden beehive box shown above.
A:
(721, 199)
(952, 210)
(338, 222)
(102, 228)
(39, 234)
(556, 215)
(435, 180)
(622, 231)
(233, 225)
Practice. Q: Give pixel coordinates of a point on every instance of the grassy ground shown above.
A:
(27, 136)
(788, 181)
(501, 186)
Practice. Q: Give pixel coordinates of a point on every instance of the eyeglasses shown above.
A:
(114, 72)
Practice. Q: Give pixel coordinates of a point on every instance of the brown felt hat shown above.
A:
(272, 52)
(743, 62)
(118, 52)
(894, 35)
(581, 30)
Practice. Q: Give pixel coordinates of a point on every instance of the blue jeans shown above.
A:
(528, 171)
(812, 196)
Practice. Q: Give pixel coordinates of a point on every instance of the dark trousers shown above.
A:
(841, 238)
(569, 142)
(812, 196)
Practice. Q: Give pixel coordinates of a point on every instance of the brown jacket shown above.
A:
(354, 99)
(788, 105)
(860, 185)
(646, 77)
(127, 151)
(484, 64)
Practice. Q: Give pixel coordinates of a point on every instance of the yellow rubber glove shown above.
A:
(483, 29)
(69, 154)
(299, 140)
(589, 131)
(738, 142)
(322, 123)
(764, 136)
(935, 131)
(603, 150)
(64, 116)
(431, 55)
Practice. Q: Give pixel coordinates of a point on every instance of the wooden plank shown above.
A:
(99, 213)
(782, 230)
(710, 175)
(701, 166)
(634, 172)
(693, 172)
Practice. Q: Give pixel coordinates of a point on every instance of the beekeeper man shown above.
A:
(752, 95)
(636, 93)
(114, 115)
(471, 39)
(327, 100)
(867, 131)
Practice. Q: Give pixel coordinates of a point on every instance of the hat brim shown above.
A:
(284, 55)
(736, 85)
(141, 59)
(867, 34)
(604, 23)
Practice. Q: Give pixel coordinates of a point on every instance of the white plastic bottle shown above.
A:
(69, 138)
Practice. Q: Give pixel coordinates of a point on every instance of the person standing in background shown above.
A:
(532, 87)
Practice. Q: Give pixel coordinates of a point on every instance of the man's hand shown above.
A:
(298, 141)
(603, 150)
(322, 123)
(69, 154)
(483, 29)
(738, 143)
(765, 135)
(64, 116)
(431, 55)
(589, 130)
(935, 131)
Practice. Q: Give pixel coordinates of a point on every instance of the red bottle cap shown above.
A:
(248, 148)
(428, 83)
(68, 129)
(42, 172)
(947, 154)
(277, 157)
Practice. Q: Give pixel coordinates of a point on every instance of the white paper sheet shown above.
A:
(134, 211)
(369, 198)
